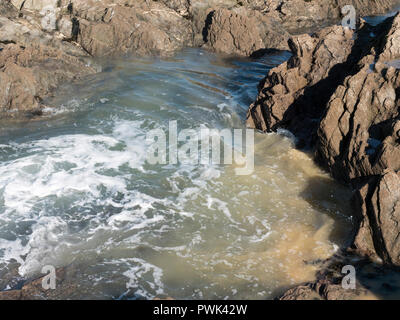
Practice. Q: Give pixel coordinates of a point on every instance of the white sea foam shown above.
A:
(83, 193)
(65, 166)
(142, 269)
(77, 167)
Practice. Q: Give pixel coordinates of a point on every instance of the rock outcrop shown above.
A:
(378, 203)
(357, 136)
(244, 32)
(339, 94)
(139, 27)
(29, 74)
(63, 34)
(160, 27)
(293, 94)
(33, 64)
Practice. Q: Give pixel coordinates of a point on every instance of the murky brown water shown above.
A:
(76, 190)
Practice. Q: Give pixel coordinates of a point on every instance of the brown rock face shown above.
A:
(357, 136)
(379, 203)
(107, 27)
(244, 32)
(28, 74)
(33, 62)
(339, 94)
(120, 27)
(293, 94)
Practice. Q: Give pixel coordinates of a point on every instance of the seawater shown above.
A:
(76, 190)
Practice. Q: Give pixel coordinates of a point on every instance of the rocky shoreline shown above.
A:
(46, 43)
(338, 93)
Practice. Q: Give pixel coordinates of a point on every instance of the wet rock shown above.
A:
(244, 32)
(328, 285)
(372, 281)
(321, 290)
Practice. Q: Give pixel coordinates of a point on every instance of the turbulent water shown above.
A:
(76, 190)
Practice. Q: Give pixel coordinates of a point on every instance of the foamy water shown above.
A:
(76, 190)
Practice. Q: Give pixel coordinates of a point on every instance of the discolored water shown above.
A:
(75, 189)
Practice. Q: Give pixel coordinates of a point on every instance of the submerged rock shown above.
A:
(372, 281)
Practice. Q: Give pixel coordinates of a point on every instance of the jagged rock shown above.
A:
(329, 286)
(121, 27)
(355, 136)
(293, 94)
(321, 290)
(109, 27)
(353, 139)
(244, 32)
(379, 204)
(29, 74)
(339, 93)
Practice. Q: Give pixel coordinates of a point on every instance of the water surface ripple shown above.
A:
(75, 189)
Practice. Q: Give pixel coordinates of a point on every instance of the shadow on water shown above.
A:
(334, 200)
(374, 280)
